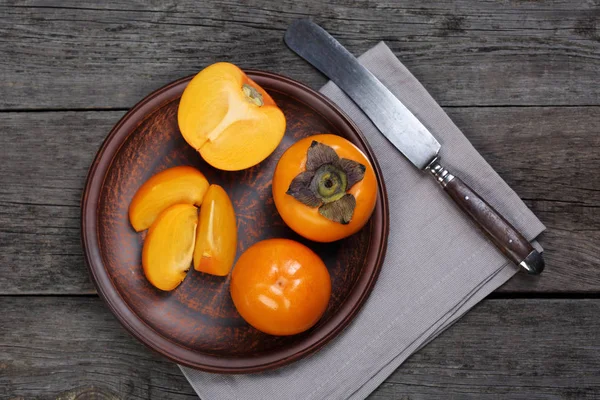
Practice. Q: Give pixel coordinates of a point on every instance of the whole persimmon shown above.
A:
(280, 287)
(324, 188)
(229, 119)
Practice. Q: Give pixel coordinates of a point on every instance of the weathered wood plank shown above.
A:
(45, 157)
(509, 349)
(545, 155)
(81, 54)
(518, 349)
(60, 345)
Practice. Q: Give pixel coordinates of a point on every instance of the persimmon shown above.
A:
(216, 237)
(280, 287)
(324, 188)
(172, 186)
(169, 246)
(229, 119)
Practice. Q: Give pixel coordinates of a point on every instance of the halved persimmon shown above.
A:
(169, 246)
(172, 186)
(231, 121)
(216, 238)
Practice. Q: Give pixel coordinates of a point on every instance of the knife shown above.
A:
(407, 134)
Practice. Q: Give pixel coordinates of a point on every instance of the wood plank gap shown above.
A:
(520, 106)
(109, 109)
(49, 295)
(542, 296)
(53, 7)
(42, 110)
(492, 297)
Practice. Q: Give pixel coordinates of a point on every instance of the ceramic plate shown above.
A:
(196, 324)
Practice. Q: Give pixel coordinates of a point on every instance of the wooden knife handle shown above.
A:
(499, 230)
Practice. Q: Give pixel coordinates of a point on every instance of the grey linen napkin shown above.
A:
(437, 266)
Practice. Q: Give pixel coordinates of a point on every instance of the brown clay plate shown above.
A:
(196, 324)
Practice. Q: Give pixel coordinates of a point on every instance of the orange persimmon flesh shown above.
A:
(216, 237)
(169, 246)
(175, 185)
(230, 120)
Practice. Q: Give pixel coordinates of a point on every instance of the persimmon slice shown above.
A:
(169, 246)
(177, 185)
(216, 237)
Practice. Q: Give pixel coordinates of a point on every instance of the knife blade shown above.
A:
(404, 130)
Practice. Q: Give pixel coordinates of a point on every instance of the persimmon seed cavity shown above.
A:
(252, 95)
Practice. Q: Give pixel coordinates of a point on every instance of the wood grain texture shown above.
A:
(51, 346)
(45, 156)
(496, 351)
(544, 154)
(84, 54)
(87, 55)
(507, 349)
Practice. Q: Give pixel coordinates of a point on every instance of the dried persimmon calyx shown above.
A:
(340, 210)
(325, 183)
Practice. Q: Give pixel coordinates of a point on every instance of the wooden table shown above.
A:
(520, 78)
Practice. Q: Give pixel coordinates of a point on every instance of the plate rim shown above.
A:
(134, 324)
